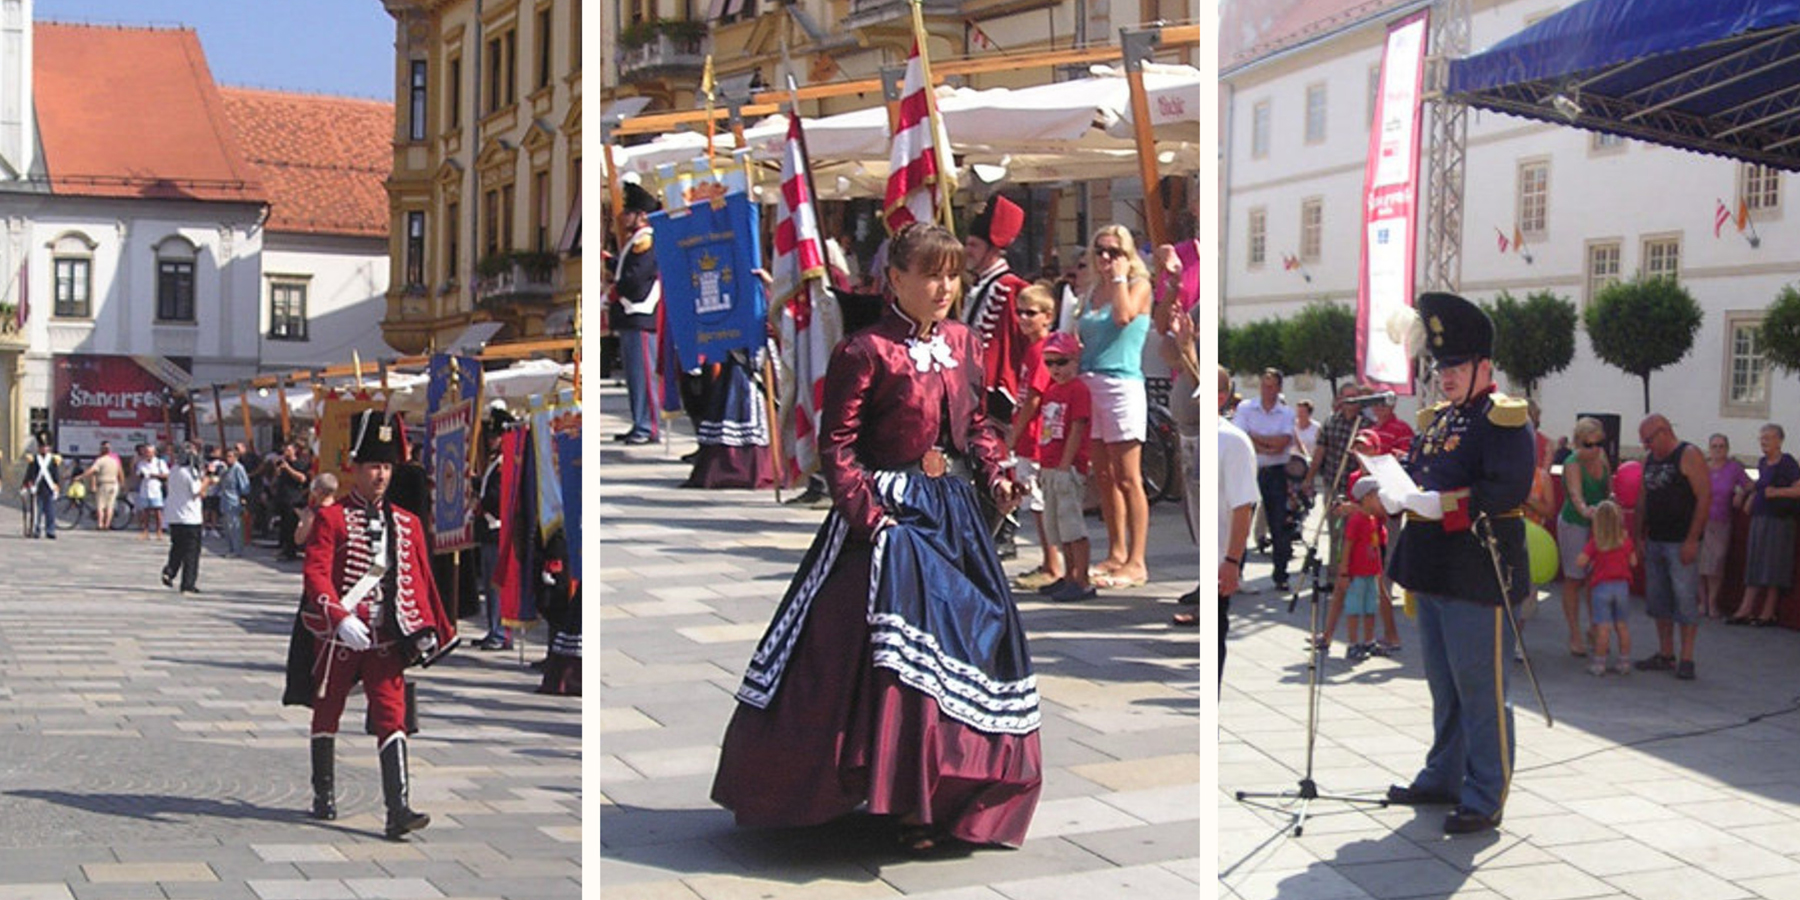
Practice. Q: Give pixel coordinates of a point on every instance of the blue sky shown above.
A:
(343, 47)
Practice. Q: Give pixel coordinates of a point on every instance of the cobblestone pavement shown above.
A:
(691, 580)
(1646, 787)
(144, 751)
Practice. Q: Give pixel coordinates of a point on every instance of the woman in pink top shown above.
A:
(1729, 481)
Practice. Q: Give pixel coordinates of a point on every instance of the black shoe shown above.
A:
(1408, 795)
(193, 590)
(168, 580)
(1463, 820)
(52, 536)
(622, 437)
(1684, 670)
(1191, 598)
(494, 642)
(690, 457)
(637, 440)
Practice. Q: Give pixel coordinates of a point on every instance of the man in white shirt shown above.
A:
(1270, 425)
(187, 487)
(1237, 504)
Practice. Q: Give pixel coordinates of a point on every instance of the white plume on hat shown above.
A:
(1404, 327)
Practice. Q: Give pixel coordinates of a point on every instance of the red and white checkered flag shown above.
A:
(810, 324)
(914, 161)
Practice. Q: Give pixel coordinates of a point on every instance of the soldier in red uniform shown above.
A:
(371, 609)
(991, 310)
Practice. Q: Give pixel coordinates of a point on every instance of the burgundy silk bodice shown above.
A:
(885, 399)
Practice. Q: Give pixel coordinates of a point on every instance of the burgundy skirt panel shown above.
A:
(719, 466)
(840, 733)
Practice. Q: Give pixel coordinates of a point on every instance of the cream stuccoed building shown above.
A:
(1297, 85)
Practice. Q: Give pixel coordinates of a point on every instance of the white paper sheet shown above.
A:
(1397, 489)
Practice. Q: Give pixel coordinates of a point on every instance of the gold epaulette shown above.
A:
(1509, 412)
(642, 244)
(1428, 414)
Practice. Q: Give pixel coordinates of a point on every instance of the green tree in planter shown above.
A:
(1642, 325)
(1780, 337)
(1227, 335)
(1534, 338)
(1322, 340)
(1258, 346)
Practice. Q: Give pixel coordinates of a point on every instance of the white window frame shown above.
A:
(1760, 188)
(1317, 111)
(1531, 210)
(1591, 280)
(1312, 234)
(1732, 405)
(1261, 115)
(302, 283)
(1658, 247)
(1259, 237)
(1602, 144)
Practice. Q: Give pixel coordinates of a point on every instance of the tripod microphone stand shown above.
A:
(1308, 790)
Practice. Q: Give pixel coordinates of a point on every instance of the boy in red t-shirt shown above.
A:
(1036, 308)
(1361, 580)
(1062, 464)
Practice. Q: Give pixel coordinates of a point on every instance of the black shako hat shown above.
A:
(374, 438)
(639, 200)
(1456, 330)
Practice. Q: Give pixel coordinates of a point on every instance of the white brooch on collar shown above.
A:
(930, 355)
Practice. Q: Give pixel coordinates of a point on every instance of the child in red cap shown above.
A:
(1062, 464)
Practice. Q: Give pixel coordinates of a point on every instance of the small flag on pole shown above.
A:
(1743, 216)
(1504, 243)
(1720, 217)
(23, 313)
(1518, 240)
(1289, 262)
(980, 39)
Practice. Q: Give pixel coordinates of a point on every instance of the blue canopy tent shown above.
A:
(1719, 77)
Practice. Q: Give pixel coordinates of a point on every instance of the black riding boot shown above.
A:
(324, 776)
(394, 789)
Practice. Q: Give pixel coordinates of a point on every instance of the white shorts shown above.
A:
(1026, 473)
(1120, 408)
(1063, 520)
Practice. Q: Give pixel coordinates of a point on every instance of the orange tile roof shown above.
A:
(133, 112)
(324, 160)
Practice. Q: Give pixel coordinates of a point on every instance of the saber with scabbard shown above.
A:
(1484, 528)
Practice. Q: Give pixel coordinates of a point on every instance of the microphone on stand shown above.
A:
(1381, 398)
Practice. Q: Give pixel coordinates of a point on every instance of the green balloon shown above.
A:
(1540, 547)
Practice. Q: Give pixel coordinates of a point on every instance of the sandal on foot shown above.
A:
(1114, 582)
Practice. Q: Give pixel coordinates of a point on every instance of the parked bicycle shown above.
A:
(1160, 462)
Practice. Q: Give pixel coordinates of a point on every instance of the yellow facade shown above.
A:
(487, 169)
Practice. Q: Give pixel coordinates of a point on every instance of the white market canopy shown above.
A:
(515, 385)
(1063, 131)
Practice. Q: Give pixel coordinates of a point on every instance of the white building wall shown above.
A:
(222, 341)
(347, 282)
(1626, 195)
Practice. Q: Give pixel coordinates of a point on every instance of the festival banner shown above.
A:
(1391, 209)
(567, 424)
(719, 306)
(112, 398)
(549, 484)
(449, 432)
(454, 383)
(336, 408)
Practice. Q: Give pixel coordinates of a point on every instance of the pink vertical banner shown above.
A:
(1391, 209)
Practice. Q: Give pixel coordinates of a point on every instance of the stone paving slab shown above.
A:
(144, 750)
(692, 579)
(1646, 787)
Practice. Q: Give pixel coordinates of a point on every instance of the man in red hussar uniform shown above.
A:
(991, 310)
(372, 609)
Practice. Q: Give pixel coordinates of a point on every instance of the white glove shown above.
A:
(352, 633)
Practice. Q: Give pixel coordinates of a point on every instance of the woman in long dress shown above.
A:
(895, 676)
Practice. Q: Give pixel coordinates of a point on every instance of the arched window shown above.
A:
(175, 257)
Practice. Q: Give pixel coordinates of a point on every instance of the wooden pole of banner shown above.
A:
(616, 192)
(219, 417)
(768, 374)
(1050, 221)
(169, 429)
(1137, 46)
(945, 213)
(244, 411)
(281, 401)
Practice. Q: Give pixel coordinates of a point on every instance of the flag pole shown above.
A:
(706, 87)
(937, 125)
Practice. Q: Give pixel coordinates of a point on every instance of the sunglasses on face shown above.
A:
(1057, 361)
(1592, 444)
(1110, 252)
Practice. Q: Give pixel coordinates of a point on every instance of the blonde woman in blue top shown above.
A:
(1114, 323)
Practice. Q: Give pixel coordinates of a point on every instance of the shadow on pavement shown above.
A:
(161, 807)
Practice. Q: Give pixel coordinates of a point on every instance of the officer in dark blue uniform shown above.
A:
(1475, 451)
(637, 293)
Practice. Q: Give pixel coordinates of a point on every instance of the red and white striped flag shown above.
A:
(23, 313)
(1504, 243)
(810, 324)
(799, 252)
(914, 163)
(1720, 217)
(979, 38)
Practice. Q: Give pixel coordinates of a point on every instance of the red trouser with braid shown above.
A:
(380, 670)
